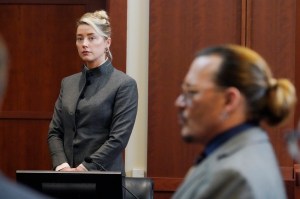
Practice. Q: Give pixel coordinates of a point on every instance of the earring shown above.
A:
(224, 115)
(106, 50)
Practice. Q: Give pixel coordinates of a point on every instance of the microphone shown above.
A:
(90, 160)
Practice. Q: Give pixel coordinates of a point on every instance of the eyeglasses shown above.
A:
(187, 95)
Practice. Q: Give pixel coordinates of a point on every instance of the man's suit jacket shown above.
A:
(243, 167)
(93, 117)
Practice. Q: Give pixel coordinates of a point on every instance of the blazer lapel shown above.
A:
(74, 92)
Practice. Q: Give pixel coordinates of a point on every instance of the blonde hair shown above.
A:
(268, 99)
(99, 20)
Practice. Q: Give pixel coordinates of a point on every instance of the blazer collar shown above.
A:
(222, 138)
(251, 136)
(202, 172)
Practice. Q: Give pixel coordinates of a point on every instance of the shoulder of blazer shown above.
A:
(73, 77)
(252, 136)
(122, 78)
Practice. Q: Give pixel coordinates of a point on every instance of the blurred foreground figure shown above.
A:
(10, 190)
(226, 95)
(293, 141)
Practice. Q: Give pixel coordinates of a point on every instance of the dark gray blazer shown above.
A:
(93, 117)
(244, 167)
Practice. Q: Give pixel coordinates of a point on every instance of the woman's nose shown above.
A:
(85, 42)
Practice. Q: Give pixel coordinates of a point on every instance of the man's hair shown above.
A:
(268, 99)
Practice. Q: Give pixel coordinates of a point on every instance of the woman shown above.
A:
(227, 94)
(96, 108)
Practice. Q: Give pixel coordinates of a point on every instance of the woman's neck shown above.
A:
(91, 65)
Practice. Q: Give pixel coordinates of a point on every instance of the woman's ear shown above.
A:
(108, 42)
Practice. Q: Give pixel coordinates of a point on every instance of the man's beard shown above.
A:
(189, 138)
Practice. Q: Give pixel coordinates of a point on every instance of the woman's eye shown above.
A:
(91, 38)
(79, 39)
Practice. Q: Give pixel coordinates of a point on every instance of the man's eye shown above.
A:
(189, 94)
(192, 92)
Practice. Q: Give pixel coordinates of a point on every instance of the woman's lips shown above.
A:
(85, 52)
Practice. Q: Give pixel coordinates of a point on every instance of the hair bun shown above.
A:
(281, 100)
(102, 15)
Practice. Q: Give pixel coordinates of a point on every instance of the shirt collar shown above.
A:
(223, 137)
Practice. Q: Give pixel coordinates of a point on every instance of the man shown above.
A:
(228, 91)
(10, 190)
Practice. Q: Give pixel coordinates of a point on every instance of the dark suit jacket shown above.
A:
(244, 167)
(93, 117)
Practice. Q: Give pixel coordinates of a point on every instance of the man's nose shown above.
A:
(180, 102)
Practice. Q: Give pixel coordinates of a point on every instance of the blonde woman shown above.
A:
(96, 108)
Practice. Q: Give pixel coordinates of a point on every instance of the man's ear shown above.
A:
(233, 99)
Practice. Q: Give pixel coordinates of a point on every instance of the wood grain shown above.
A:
(177, 31)
(273, 36)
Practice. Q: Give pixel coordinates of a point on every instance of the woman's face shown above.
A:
(201, 103)
(91, 45)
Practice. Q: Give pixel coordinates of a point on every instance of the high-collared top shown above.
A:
(93, 117)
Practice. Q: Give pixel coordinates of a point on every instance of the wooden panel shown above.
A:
(118, 18)
(23, 145)
(297, 80)
(273, 36)
(297, 59)
(166, 184)
(177, 30)
(41, 53)
(26, 115)
(297, 181)
(40, 36)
